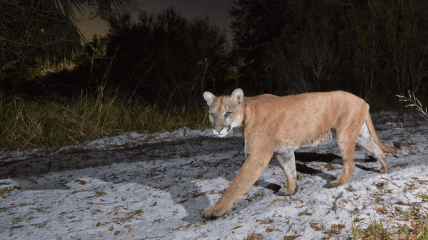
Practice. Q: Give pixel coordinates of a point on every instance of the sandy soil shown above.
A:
(138, 186)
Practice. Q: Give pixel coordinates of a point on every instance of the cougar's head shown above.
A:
(225, 112)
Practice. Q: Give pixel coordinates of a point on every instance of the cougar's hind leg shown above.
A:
(366, 141)
(287, 161)
(347, 150)
(346, 138)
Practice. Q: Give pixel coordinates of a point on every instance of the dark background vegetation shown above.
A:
(374, 49)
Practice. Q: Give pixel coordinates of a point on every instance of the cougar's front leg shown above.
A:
(259, 153)
(287, 161)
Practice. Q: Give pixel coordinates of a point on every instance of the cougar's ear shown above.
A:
(209, 97)
(238, 95)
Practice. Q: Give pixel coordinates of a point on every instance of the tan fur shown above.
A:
(283, 124)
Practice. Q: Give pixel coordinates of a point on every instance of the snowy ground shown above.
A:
(138, 186)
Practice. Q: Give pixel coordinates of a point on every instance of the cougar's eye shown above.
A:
(228, 114)
(212, 114)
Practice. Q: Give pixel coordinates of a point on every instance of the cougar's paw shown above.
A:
(384, 170)
(284, 191)
(334, 184)
(211, 212)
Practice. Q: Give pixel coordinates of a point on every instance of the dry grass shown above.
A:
(417, 229)
(415, 103)
(34, 124)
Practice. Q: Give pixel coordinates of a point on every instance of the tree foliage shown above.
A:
(361, 47)
(304, 60)
(385, 48)
(36, 32)
(256, 23)
(166, 59)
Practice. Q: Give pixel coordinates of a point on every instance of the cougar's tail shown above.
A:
(376, 138)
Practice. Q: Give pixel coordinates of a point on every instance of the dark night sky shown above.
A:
(216, 10)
